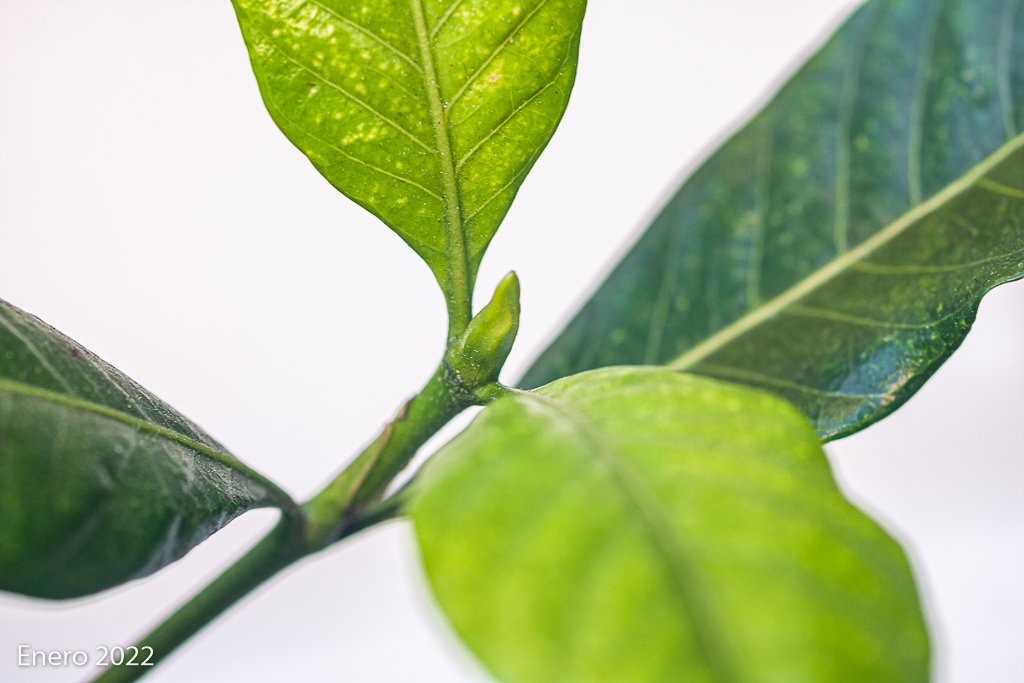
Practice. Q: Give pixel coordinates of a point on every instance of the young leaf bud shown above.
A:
(479, 354)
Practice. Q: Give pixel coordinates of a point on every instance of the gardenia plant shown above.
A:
(650, 502)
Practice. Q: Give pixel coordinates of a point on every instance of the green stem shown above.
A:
(277, 550)
(441, 399)
(350, 503)
(365, 480)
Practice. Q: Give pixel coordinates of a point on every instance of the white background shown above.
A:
(150, 209)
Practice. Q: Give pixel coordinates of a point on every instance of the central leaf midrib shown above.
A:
(455, 242)
(840, 264)
(711, 648)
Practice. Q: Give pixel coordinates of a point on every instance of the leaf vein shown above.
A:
(444, 19)
(839, 264)
(1004, 50)
(798, 310)
(348, 23)
(920, 269)
(346, 93)
(17, 334)
(501, 46)
(999, 188)
(728, 372)
(458, 288)
(504, 187)
(271, 103)
(844, 158)
(918, 102)
(523, 105)
(685, 576)
(279, 497)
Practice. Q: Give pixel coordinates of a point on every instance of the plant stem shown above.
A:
(441, 399)
(350, 503)
(273, 553)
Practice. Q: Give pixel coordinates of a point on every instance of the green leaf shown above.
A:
(428, 113)
(636, 524)
(836, 249)
(100, 481)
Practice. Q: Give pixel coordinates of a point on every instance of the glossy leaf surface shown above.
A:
(100, 481)
(836, 249)
(636, 524)
(429, 113)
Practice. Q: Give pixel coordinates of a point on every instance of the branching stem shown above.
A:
(351, 502)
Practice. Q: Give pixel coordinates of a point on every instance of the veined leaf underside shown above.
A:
(100, 481)
(837, 248)
(40, 362)
(429, 114)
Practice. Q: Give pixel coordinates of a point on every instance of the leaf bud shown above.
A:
(479, 354)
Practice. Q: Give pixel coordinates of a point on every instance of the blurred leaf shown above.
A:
(100, 481)
(636, 524)
(836, 249)
(428, 113)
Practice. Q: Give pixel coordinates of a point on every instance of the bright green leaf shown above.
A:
(429, 113)
(641, 525)
(835, 251)
(100, 481)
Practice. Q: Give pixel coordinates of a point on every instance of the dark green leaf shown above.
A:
(100, 481)
(429, 113)
(836, 249)
(636, 524)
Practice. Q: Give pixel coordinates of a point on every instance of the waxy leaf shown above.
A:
(836, 249)
(428, 113)
(642, 525)
(100, 482)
